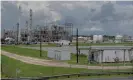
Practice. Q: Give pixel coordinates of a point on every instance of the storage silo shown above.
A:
(95, 38)
(100, 38)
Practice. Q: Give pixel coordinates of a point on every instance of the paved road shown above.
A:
(43, 62)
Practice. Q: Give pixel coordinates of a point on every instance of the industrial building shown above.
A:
(118, 38)
(59, 55)
(108, 53)
(55, 33)
(30, 33)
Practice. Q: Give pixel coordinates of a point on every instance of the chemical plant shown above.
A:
(55, 32)
(29, 35)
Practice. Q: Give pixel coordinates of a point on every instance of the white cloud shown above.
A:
(92, 29)
(68, 5)
(39, 8)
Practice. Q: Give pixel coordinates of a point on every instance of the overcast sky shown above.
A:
(90, 17)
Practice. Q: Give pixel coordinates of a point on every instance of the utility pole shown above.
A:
(17, 32)
(40, 43)
(72, 33)
(77, 45)
(4, 34)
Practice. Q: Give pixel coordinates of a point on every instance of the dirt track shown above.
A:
(44, 62)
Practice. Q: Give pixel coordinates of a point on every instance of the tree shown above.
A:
(2, 40)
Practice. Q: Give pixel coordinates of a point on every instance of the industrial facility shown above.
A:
(56, 33)
(63, 35)
(31, 33)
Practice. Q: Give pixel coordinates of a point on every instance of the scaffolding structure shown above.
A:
(55, 33)
(61, 32)
(32, 34)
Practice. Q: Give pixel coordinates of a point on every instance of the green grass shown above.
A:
(104, 44)
(25, 51)
(82, 59)
(29, 70)
(10, 65)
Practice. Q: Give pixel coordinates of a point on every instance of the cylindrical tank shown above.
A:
(95, 38)
(100, 38)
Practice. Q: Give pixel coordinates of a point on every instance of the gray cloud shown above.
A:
(98, 17)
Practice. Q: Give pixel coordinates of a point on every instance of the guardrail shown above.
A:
(68, 75)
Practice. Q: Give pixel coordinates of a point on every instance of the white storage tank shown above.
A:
(95, 38)
(100, 38)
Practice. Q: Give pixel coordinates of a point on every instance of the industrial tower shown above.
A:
(30, 27)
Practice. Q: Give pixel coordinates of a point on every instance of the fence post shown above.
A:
(102, 59)
(124, 57)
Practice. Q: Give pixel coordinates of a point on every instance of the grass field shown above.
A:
(25, 51)
(29, 70)
(10, 65)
